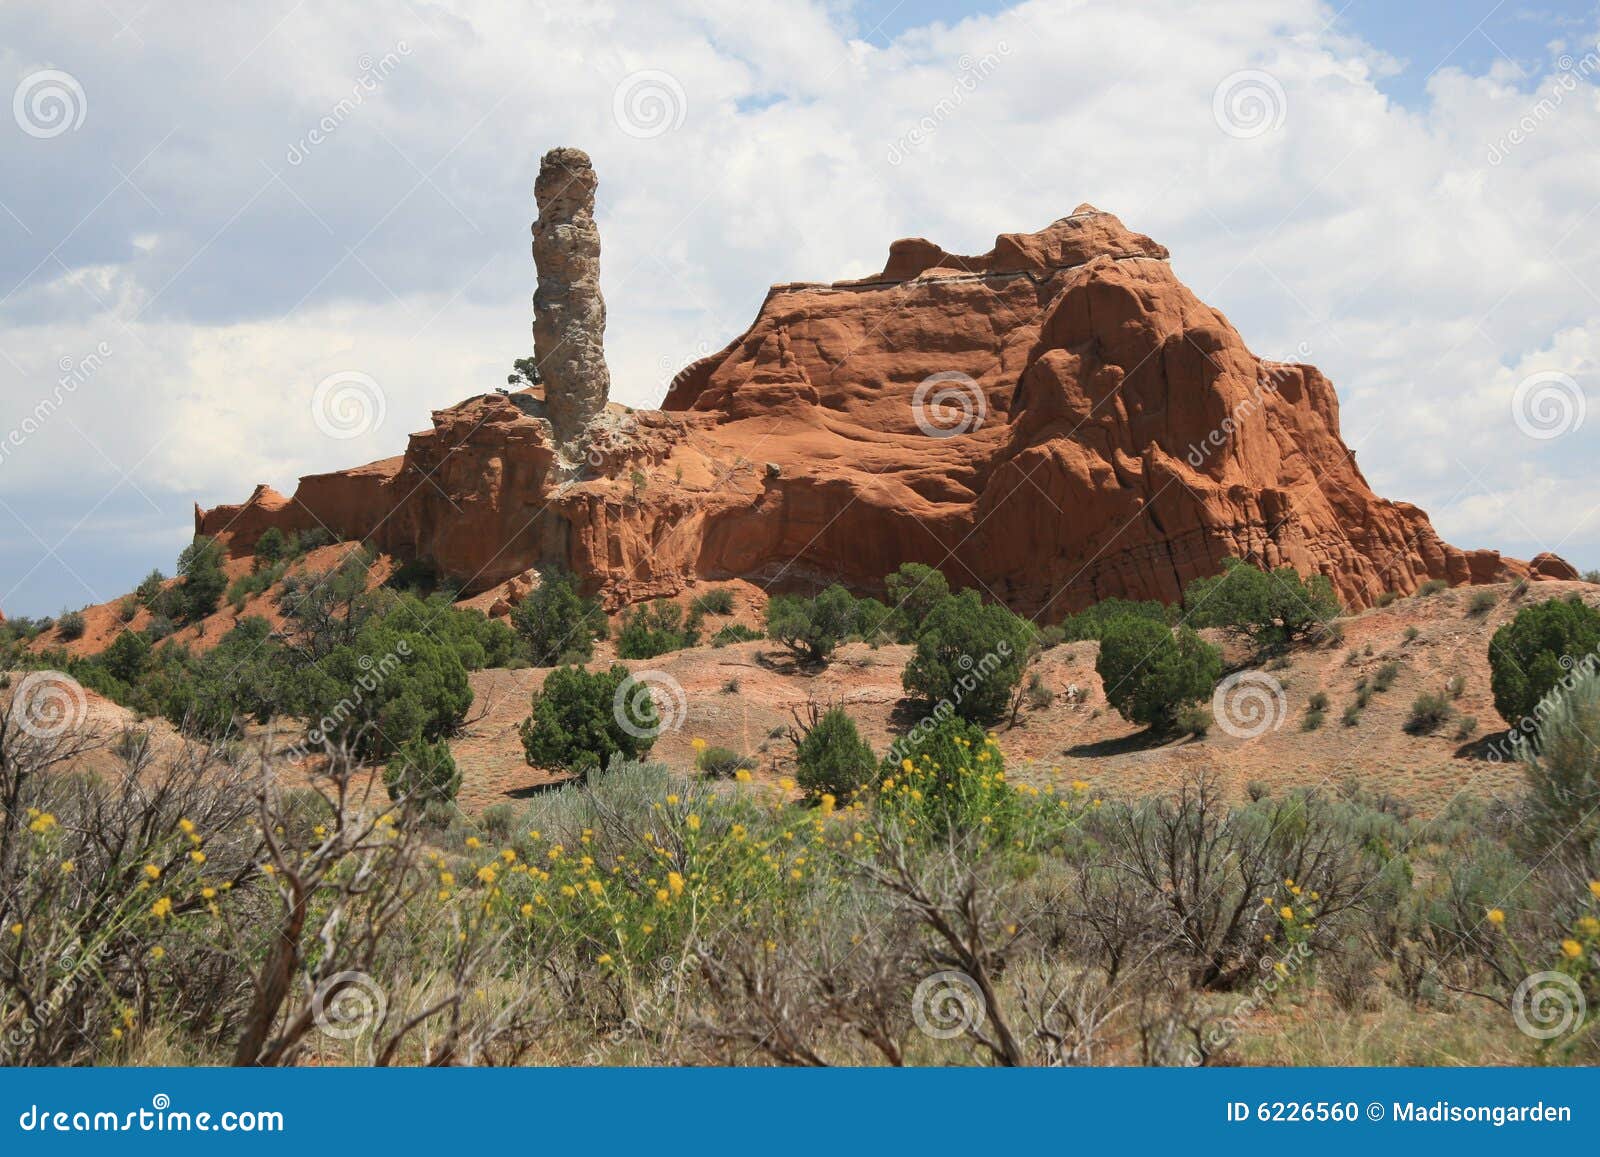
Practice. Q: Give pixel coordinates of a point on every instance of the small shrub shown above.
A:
(1270, 609)
(128, 608)
(1385, 677)
(1562, 766)
(1531, 655)
(1429, 712)
(1385, 599)
(812, 628)
(557, 623)
(914, 590)
(1411, 634)
(150, 587)
(656, 629)
(722, 762)
(832, 758)
(203, 579)
(131, 743)
(730, 686)
(127, 657)
(1053, 636)
(969, 654)
(1040, 695)
(1256, 790)
(1432, 587)
(71, 626)
(271, 547)
(1194, 719)
(578, 718)
(1592, 576)
(158, 628)
(735, 633)
(1149, 672)
(1318, 701)
(1468, 728)
(1457, 686)
(1352, 715)
(1312, 719)
(717, 602)
(1481, 603)
(424, 771)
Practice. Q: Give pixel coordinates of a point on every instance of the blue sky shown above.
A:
(1421, 36)
(1418, 218)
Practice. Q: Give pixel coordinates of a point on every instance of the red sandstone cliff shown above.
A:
(1056, 421)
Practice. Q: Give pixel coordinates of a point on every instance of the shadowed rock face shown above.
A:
(569, 321)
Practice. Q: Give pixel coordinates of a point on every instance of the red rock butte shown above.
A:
(1054, 422)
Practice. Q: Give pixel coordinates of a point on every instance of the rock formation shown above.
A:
(1056, 421)
(569, 315)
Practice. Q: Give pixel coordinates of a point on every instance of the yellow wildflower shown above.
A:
(474, 842)
(152, 871)
(694, 822)
(742, 775)
(157, 952)
(198, 857)
(68, 865)
(1571, 949)
(675, 882)
(162, 908)
(1286, 912)
(1496, 917)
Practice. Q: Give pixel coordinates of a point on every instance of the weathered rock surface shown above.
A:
(1054, 422)
(569, 320)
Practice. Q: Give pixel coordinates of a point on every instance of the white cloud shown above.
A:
(1425, 279)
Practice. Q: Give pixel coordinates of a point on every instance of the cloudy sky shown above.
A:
(207, 210)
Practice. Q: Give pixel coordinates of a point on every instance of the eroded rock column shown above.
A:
(569, 315)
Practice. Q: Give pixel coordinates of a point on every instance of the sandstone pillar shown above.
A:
(569, 315)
